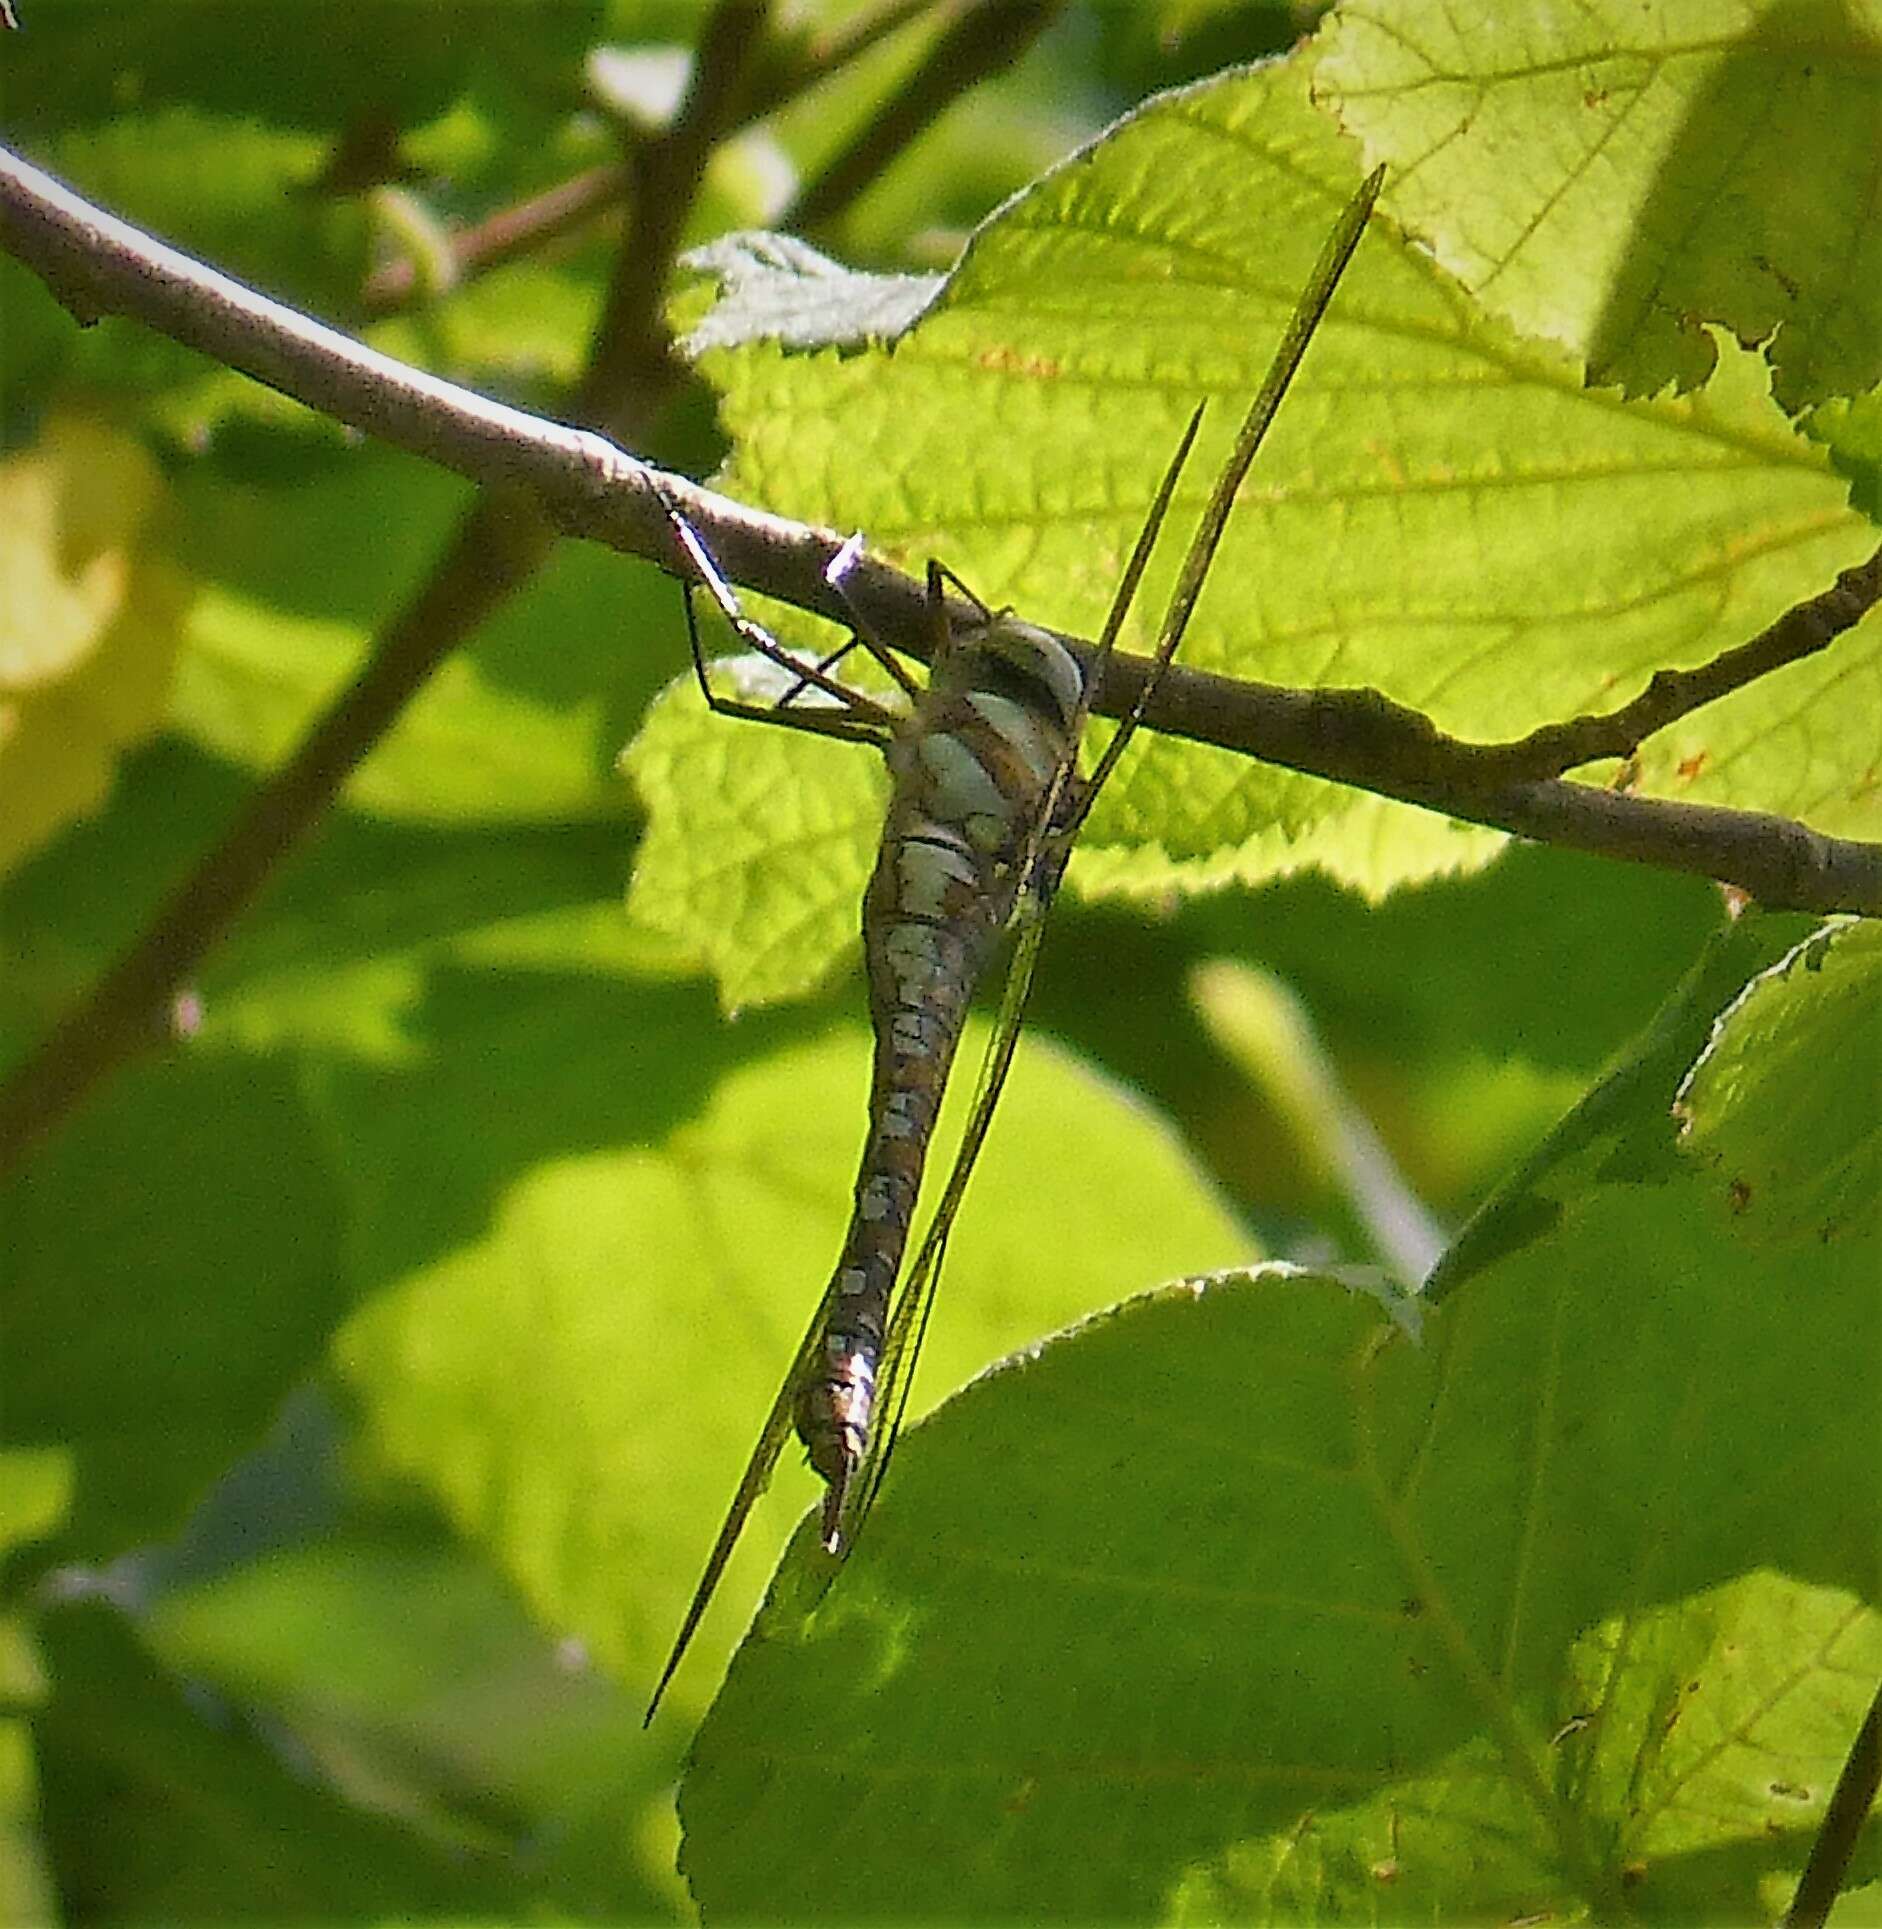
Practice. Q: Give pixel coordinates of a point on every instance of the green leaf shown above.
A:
(35, 1495)
(516, 332)
(26, 1894)
(243, 162)
(408, 1671)
(591, 1282)
(158, 1812)
(1852, 432)
(1613, 178)
(1678, 1717)
(297, 575)
(283, 63)
(1619, 1127)
(157, 1305)
(1442, 513)
(88, 625)
(757, 845)
(1241, 1603)
(1795, 1153)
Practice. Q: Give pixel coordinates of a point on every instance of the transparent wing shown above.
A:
(1261, 413)
(757, 1477)
(908, 1320)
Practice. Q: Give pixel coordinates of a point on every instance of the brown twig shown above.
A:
(836, 46)
(1850, 1804)
(584, 485)
(504, 235)
(1671, 694)
(631, 368)
(522, 228)
(98, 265)
(1361, 738)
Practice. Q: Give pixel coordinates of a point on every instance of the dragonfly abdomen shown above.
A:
(974, 771)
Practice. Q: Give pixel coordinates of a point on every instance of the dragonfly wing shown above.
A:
(757, 1476)
(908, 1321)
(1301, 324)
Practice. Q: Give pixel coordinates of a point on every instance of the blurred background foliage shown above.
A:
(283, 1633)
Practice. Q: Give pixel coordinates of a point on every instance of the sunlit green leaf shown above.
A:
(26, 1892)
(1442, 512)
(1785, 1107)
(89, 621)
(1614, 177)
(756, 870)
(35, 1493)
(1306, 1607)
(577, 1331)
(522, 726)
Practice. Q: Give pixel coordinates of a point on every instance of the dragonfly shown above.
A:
(986, 801)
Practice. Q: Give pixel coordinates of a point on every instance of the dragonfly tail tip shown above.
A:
(836, 1495)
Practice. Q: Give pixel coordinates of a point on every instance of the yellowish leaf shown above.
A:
(89, 623)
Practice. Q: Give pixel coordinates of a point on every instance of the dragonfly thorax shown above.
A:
(990, 738)
(1010, 657)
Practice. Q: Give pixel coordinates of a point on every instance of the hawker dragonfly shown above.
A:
(986, 801)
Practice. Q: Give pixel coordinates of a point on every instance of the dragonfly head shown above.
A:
(1020, 659)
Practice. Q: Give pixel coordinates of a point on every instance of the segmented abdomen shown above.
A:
(971, 773)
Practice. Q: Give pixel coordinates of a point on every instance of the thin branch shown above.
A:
(504, 235)
(986, 36)
(821, 54)
(1850, 1803)
(846, 41)
(98, 265)
(509, 233)
(631, 367)
(1671, 694)
(585, 486)
(1364, 739)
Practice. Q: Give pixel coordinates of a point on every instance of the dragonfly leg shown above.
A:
(857, 715)
(939, 574)
(827, 664)
(862, 631)
(845, 725)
